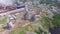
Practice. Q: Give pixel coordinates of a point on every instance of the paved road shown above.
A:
(8, 12)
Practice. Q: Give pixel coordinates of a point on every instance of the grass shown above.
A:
(1, 29)
(3, 21)
(20, 31)
(39, 31)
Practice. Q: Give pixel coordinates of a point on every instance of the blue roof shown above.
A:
(23, 6)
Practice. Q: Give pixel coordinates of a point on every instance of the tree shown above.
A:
(46, 1)
(23, 0)
(56, 20)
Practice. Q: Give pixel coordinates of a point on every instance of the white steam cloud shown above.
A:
(7, 2)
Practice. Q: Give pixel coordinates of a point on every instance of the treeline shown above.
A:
(51, 2)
